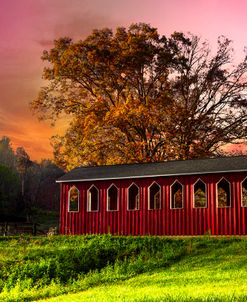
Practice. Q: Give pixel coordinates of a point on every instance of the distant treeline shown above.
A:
(25, 186)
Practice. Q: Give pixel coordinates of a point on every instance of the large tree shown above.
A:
(136, 96)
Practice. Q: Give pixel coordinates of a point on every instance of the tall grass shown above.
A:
(37, 267)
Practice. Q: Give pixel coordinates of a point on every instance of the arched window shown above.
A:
(176, 195)
(244, 193)
(73, 199)
(112, 198)
(223, 194)
(154, 197)
(92, 199)
(200, 194)
(133, 197)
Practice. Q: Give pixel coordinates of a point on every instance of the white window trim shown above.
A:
(133, 183)
(78, 202)
(171, 208)
(206, 193)
(154, 183)
(241, 187)
(230, 192)
(107, 206)
(89, 204)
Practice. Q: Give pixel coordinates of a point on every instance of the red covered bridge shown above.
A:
(192, 197)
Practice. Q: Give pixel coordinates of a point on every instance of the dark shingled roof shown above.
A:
(169, 168)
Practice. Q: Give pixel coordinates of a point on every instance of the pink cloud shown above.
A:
(27, 27)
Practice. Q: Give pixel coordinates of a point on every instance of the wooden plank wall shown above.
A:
(164, 221)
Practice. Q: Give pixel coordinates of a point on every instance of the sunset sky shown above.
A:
(27, 27)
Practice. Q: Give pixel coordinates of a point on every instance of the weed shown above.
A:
(36, 267)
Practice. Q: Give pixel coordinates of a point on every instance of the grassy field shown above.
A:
(108, 268)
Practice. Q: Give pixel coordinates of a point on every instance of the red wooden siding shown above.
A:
(163, 221)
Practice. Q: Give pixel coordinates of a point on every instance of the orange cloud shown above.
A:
(238, 148)
(28, 27)
(27, 132)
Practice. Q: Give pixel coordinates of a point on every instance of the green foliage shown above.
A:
(9, 188)
(39, 262)
(36, 267)
(7, 155)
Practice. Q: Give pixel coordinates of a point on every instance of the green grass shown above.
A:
(108, 268)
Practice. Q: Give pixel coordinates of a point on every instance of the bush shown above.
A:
(64, 258)
(64, 263)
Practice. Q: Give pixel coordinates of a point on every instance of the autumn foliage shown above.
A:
(136, 96)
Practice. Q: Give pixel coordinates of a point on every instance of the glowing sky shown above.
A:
(27, 27)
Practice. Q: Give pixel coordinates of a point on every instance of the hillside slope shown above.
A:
(108, 268)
